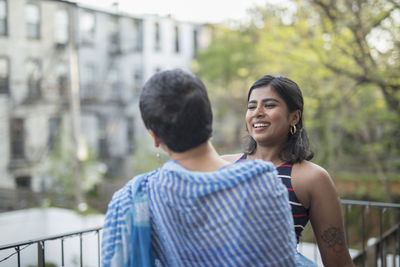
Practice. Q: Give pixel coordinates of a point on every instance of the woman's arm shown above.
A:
(326, 218)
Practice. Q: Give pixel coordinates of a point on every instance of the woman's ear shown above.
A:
(156, 140)
(295, 117)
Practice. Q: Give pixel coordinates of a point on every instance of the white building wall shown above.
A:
(5, 179)
(18, 49)
(116, 111)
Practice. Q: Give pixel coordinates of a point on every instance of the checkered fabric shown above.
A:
(238, 215)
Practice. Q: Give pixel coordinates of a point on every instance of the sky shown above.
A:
(213, 11)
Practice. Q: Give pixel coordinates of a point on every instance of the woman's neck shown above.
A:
(267, 154)
(202, 158)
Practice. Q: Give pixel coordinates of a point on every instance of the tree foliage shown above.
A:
(348, 74)
(365, 36)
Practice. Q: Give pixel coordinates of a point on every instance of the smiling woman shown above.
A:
(280, 101)
(275, 125)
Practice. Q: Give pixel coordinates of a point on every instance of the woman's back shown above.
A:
(221, 218)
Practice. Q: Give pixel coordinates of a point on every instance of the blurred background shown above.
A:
(71, 73)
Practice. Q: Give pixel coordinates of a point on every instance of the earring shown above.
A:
(158, 157)
(293, 129)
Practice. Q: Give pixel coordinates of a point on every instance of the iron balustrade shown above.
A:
(20, 246)
(372, 231)
(387, 243)
(383, 247)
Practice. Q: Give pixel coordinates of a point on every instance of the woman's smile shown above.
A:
(260, 126)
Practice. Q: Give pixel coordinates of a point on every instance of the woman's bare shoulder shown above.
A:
(310, 170)
(309, 173)
(231, 157)
(311, 182)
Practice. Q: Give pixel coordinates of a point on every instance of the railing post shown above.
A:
(398, 237)
(18, 256)
(346, 223)
(41, 260)
(383, 260)
(363, 235)
(62, 252)
(80, 238)
(98, 247)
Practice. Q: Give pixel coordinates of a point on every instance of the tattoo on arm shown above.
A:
(334, 237)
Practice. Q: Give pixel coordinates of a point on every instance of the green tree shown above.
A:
(352, 123)
(365, 36)
(227, 67)
(359, 40)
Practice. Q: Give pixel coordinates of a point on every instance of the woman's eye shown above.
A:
(270, 105)
(251, 107)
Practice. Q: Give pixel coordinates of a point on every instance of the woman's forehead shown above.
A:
(263, 92)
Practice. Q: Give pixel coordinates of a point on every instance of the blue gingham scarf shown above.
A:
(236, 216)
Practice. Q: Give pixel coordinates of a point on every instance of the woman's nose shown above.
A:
(260, 112)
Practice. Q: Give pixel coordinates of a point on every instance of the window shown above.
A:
(177, 47)
(34, 79)
(114, 38)
(102, 138)
(195, 41)
(23, 182)
(87, 27)
(157, 37)
(114, 83)
(62, 79)
(88, 81)
(54, 129)
(138, 35)
(4, 75)
(61, 22)
(3, 17)
(130, 134)
(32, 16)
(17, 139)
(138, 80)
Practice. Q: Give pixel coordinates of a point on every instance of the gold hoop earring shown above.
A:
(293, 129)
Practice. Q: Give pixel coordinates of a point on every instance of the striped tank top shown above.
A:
(300, 213)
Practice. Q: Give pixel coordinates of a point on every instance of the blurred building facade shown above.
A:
(115, 52)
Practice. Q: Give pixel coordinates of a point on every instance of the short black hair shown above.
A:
(297, 147)
(174, 104)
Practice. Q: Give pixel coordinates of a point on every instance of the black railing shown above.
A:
(383, 224)
(380, 232)
(372, 231)
(17, 248)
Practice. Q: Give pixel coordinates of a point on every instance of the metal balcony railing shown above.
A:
(377, 228)
(17, 248)
(372, 231)
(376, 238)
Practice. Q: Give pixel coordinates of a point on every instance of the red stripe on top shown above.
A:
(289, 189)
(300, 215)
(286, 165)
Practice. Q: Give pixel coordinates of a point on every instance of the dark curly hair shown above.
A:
(175, 105)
